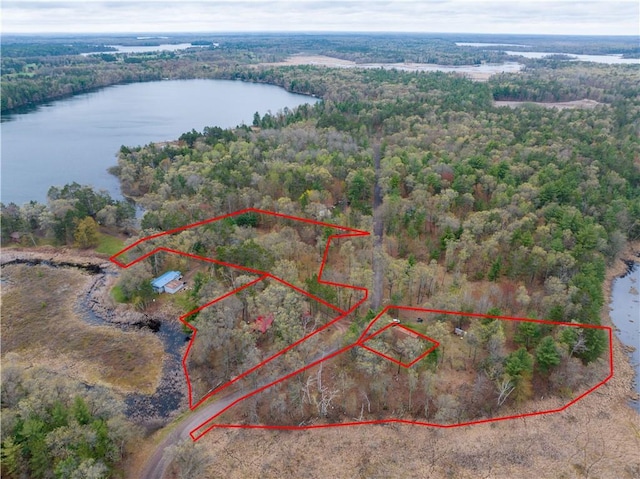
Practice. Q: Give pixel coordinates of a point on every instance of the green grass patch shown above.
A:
(109, 244)
(187, 304)
(184, 301)
(117, 294)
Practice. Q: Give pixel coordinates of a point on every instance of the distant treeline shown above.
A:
(19, 50)
(37, 72)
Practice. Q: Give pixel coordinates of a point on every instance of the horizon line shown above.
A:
(314, 32)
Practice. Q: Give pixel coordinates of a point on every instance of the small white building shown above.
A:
(170, 282)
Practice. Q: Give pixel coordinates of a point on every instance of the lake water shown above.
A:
(608, 59)
(77, 139)
(625, 314)
(165, 47)
(613, 59)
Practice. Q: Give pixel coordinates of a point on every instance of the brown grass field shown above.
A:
(598, 437)
(42, 327)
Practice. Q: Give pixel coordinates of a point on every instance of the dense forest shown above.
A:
(55, 427)
(483, 208)
(71, 216)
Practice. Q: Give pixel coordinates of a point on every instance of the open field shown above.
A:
(475, 72)
(563, 105)
(109, 244)
(597, 438)
(40, 324)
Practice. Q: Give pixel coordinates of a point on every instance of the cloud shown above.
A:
(485, 16)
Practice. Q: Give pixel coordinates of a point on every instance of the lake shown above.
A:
(615, 59)
(165, 47)
(77, 139)
(625, 314)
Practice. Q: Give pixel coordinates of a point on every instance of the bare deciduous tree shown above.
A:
(505, 388)
(322, 397)
(189, 460)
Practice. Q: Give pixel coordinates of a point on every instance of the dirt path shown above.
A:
(596, 437)
(157, 465)
(377, 262)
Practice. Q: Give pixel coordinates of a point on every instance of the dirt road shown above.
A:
(158, 463)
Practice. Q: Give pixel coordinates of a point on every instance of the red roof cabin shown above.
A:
(263, 323)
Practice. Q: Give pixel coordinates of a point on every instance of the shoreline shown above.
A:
(624, 372)
(618, 269)
(53, 254)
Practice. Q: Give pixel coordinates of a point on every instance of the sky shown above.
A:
(567, 17)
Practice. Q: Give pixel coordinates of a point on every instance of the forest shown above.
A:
(483, 209)
(54, 427)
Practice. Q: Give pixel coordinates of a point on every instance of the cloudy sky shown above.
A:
(579, 17)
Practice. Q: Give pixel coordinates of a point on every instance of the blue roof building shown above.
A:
(161, 282)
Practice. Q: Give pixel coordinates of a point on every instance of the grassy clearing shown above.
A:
(109, 244)
(39, 323)
(117, 294)
(183, 301)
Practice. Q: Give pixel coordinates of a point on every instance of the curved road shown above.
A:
(158, 463)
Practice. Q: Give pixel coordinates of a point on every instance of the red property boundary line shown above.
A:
(204, 429)
(348, 232)
(206, 426)
(393, 360)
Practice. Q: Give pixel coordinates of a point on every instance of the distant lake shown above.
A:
(77, 139)
(165, 47)
(608, 59)
(613, 59)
